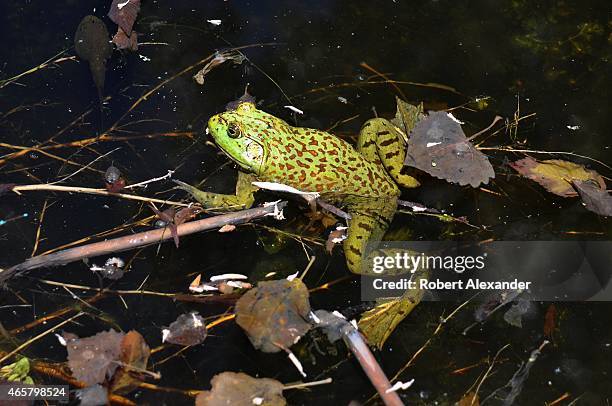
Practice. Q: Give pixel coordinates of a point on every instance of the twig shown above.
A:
(84, 167)
(38, 229)
(92, 191)
(136, 240)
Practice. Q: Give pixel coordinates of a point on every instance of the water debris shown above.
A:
(214, 22)
(113, 268)
(114, 180)
(555, 175)
(294, 109)
(228, 228)
(124, 13)
(92, 359)
(438, 146)
(188, 329)
(274, 314)
(220, 57)
(237, 388)
(91, 42)
(125, 41)
(594, 198)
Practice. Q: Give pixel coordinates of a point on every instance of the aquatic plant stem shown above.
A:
(132, 241)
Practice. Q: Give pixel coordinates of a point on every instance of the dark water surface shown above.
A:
(551, 59)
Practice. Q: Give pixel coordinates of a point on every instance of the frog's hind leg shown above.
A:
(381, 142)
(363, 230)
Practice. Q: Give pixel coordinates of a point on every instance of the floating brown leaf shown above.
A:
(134, 356)
(92, 359)
(556, 175)
(124, 41)
(187, 329)
(594, 198)
(239, 389)
(124, 13)
(438, 146)
(274, 314)
(91, 42)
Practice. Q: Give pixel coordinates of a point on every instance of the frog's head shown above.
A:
(244, 134)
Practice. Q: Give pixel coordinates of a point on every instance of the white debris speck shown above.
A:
(339, 239)
(292, 276)
(297, 363)
(269, 274)
(573, 127)
(338, 314)
(121, 5)
(315, 318)
(400, 385)
(214, 22)
(279, 187)
(165, 334)
(207, 131)
(354, 323)
(226, 276)
(277, 214)
(118, 262)
(144, 58)
(294, 109)
(450, 115)
(417, 209)
(432, 144)
(257, 401)
(61, 339)
(342, 99)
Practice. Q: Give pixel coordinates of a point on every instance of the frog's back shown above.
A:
(314, 160)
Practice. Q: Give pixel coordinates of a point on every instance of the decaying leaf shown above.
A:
(134, 357)
(274, 314)
(438, 146)
(124, 41)
(91, 42)
(220, 57)
(378, 323)
(594, 198)
(124, 13)
(407, 115)
(187, 329)
(92, 359)
(556, 175)
(232, 388)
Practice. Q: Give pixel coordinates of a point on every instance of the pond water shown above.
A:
(545, 69)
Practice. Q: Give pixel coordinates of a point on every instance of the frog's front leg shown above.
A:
(242, 199)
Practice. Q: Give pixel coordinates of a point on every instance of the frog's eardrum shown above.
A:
(438, 146)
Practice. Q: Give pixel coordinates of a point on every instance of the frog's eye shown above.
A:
(234, 131)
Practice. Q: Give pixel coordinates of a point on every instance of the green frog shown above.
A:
(363, 179)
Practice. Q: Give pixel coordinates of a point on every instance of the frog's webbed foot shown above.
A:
(242, 199)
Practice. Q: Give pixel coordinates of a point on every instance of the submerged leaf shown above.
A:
(438, 146)
(92, 359)
(407, 115)
(594, 198)
(187, 329)
(556, 175)
(124, 13)
(124, 41)
(274, 314)
(378, 323)
(134, 356)
(239, 389)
